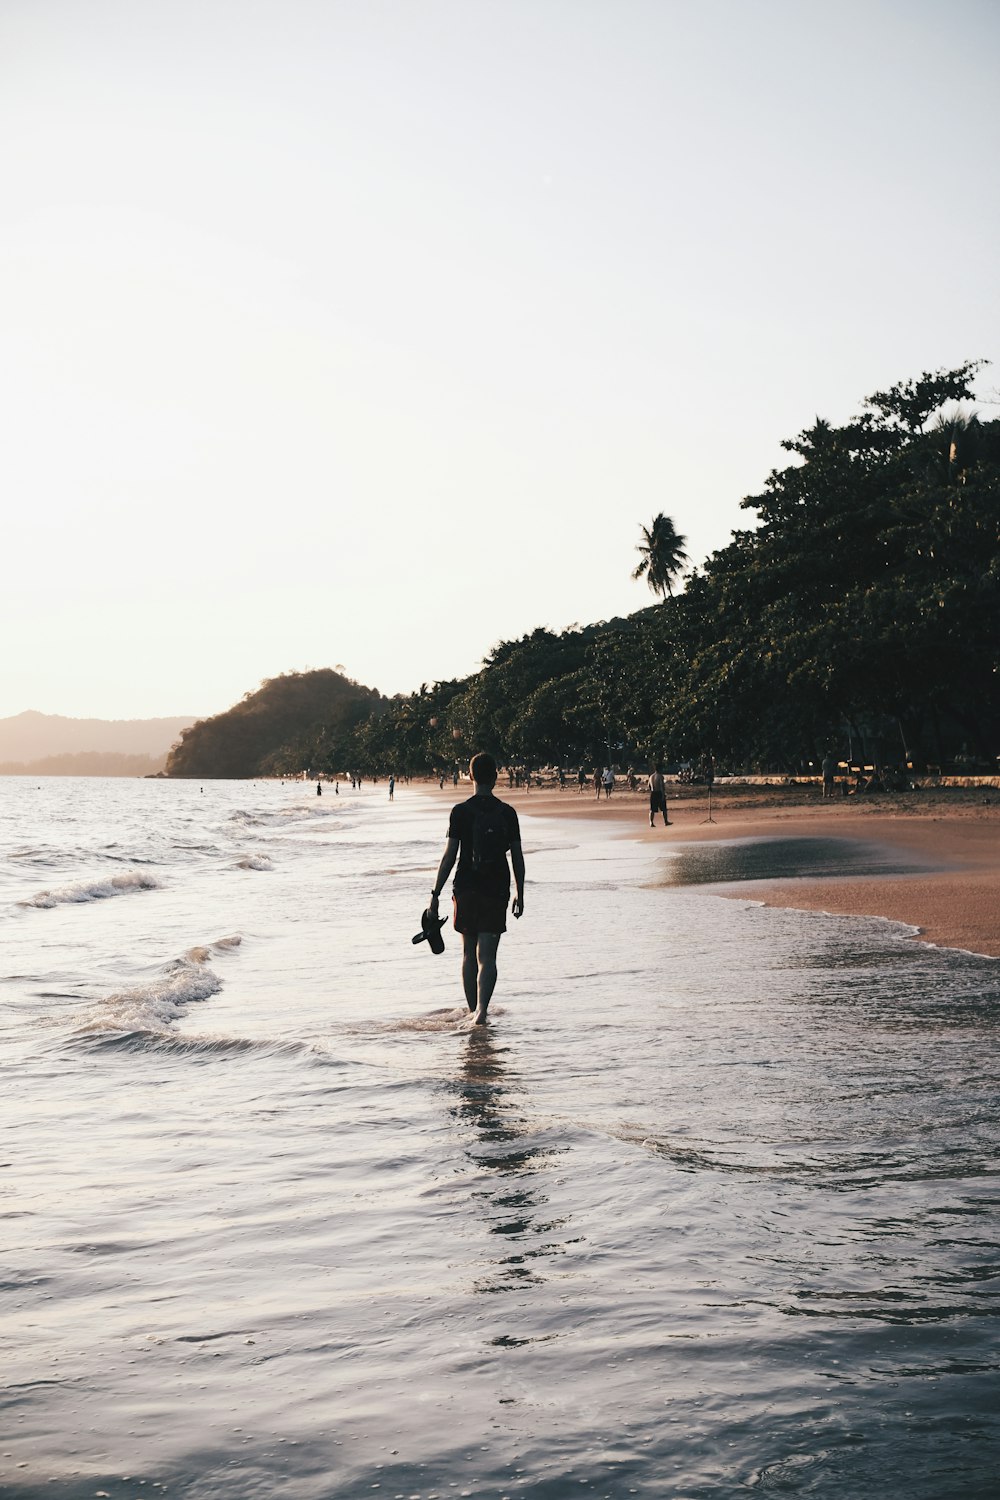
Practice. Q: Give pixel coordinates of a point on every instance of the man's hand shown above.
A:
(517, 906)
(434, 904)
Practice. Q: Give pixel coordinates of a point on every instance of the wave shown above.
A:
(149, 1010)
(282, 816)
(202, 952)
(224, 944)
(168, 1044)
(254, 862)
(155, 1006)
(93, 890)
(449, 1018)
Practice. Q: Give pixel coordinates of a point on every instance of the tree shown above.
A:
(662, 553)
(869, 593)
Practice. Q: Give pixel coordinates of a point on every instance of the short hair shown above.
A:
(482, 767)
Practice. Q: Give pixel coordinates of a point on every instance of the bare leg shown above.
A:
(487, 978)
(470, 968)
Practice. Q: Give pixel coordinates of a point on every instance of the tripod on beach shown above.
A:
(708, 773)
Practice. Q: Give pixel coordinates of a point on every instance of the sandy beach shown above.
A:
(952, 833)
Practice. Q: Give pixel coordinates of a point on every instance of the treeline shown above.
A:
(861, 613)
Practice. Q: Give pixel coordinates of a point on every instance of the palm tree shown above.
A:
(663, 555)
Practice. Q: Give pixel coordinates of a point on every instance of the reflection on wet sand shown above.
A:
(501, 1142)
(783, 859)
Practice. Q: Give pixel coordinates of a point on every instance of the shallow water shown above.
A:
(709, 1208)
(782, 859)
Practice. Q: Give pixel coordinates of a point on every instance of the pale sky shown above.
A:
(368, 332)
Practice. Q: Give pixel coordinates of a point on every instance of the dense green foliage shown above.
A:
(861, 613)
(291, 723)
(864, 606)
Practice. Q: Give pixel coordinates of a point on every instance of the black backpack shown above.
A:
(489, 834)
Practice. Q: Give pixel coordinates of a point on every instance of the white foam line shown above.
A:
(93, 890)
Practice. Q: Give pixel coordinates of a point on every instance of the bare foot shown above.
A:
(480, 1018)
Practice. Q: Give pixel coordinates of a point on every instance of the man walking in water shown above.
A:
(480, 832)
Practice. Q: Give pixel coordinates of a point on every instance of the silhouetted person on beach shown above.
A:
(829, 774)
(480, 833)
(319, 789)
(657, 796)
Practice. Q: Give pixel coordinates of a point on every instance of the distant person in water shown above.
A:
(319, 789)
(392, 787)
(481, 831)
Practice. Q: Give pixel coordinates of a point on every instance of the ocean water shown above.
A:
(709, 1209)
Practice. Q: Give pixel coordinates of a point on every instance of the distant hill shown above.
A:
(108, 747)
(300, 714)
(86, 763)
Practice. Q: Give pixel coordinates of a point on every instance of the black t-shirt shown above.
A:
(498, 831)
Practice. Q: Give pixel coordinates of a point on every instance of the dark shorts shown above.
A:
(657, 802)
(477, 912)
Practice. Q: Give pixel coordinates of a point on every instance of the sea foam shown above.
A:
(93, 890)
(154, 1006)
(254, 862)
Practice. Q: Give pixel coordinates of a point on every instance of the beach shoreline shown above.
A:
(954, 833)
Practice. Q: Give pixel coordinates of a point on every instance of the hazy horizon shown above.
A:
(368, 335)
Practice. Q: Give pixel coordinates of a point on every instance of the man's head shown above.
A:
(483, 770)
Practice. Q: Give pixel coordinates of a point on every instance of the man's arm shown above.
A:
(448, 859)
(517, 862)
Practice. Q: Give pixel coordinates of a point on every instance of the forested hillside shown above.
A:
(288, 724)
(861, 614)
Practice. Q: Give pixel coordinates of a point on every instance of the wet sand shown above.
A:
(940, 870)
